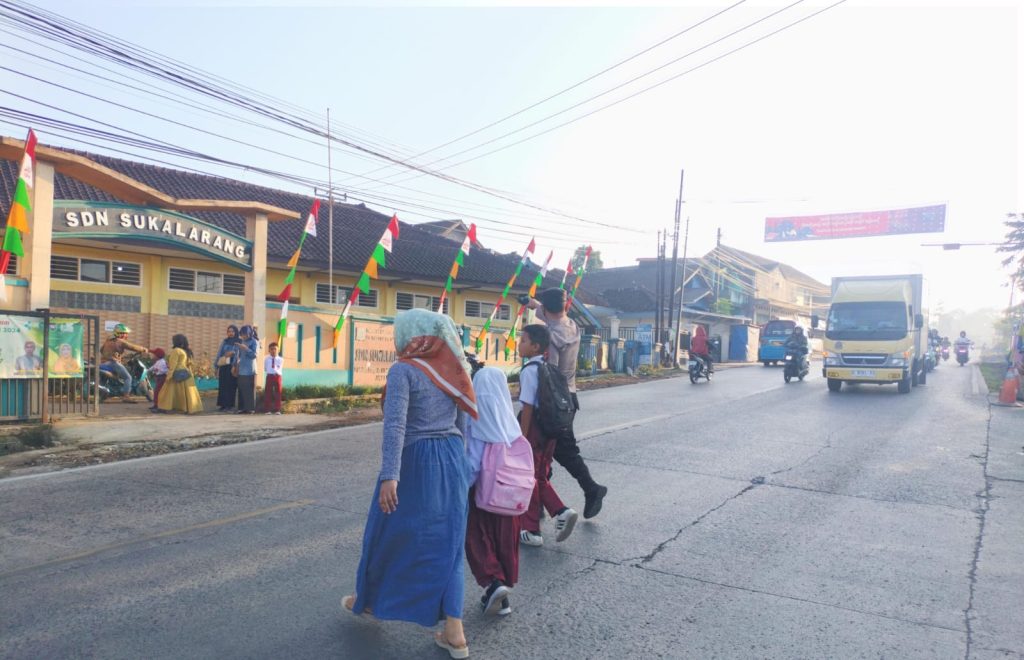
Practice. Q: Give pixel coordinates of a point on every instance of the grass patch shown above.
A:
(325, 391)
(993, 373)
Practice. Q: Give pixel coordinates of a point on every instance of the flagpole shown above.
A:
(330, 218)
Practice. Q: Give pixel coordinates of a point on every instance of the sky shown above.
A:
(867, 106)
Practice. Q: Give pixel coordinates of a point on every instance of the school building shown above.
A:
(167, 251)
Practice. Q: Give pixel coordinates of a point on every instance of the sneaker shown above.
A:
(564, 522)
(531, 538)
(278, 412)
(495, 595)
(592, 507)
(506, 609)
(268, 413)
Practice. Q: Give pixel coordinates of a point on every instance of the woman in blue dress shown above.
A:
(411, 568)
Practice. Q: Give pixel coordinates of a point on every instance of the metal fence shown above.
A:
(38, 396)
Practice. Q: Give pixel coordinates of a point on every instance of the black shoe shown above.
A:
(496, 593)
(506, 609)
(593, 501)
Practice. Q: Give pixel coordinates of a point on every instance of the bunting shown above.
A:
(568, 271)
(286, 293)
(460, 260)
(510, 341)
(21, 205)
(579, 278)
(377, 258)
(504, 294)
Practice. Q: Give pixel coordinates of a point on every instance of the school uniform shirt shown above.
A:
(273, 365)
(159, 367)
(528, 382)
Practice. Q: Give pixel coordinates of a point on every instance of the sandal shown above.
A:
(457, 652)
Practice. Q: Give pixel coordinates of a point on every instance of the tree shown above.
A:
(1014, 244)
(594, 263)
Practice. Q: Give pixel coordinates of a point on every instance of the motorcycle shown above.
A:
(698, 369)
(111, 385)
(962, 355)
(796, 365)
(945, 352)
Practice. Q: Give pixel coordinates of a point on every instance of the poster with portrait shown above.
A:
(21, 346)
(65, 347)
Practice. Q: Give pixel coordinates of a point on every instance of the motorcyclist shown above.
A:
(699, 348)
(962, 342)
(110, 354)
(797, 342)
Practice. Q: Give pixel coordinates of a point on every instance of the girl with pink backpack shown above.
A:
(502, 482)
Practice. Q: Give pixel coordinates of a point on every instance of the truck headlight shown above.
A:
(832, 361)
(897, 360)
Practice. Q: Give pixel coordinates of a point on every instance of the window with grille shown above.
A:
(338, 295)
(201, 281)
(12, 264)
(95, 270)
(482, 310)
(125, 273)
(418, 301)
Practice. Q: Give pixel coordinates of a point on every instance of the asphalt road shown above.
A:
(746, 518)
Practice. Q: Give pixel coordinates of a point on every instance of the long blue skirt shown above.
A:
(411, 568)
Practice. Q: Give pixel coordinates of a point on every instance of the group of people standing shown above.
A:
(236, 373)
(439, 424)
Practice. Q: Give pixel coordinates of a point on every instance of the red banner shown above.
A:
(918, 220)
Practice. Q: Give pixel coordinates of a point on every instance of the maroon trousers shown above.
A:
(543, 493)
(492, 546)
(272, 393)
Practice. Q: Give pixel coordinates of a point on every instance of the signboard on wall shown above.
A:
(917, 220)
(373, 353)
(102, 220)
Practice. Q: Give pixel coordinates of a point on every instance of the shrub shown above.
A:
(646, 370)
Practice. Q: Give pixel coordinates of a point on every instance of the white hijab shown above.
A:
(497, 421)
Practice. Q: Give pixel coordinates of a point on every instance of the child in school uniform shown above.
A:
(273, 367)
(492, 540)
(533, 343)
(159, 371)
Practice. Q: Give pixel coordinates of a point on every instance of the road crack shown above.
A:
(827, 445)
(984, 496)
(649, 557)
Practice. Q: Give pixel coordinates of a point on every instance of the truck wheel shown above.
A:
(834, 384)
(922, 379)
(904, 386)
(764, 362)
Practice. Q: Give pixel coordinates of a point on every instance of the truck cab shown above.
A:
(874, 332)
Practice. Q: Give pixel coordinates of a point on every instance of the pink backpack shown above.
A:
(506, 481)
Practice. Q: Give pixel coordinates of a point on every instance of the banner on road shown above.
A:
(917, 220)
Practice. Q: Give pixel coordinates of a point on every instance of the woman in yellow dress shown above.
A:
(179, 393)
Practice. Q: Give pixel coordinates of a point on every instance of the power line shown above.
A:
(647, 89)
(574, 85)
(113, 49)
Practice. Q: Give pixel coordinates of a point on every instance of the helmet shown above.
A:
(798, 329)
(121, 328)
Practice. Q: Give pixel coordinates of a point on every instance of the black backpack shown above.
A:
(555, 409)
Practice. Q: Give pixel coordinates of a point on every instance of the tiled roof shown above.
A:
(419, 253)
(631, 288)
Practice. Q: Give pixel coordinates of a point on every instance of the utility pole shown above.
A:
(657, 293)
(333, 295)
(673, 325)
(682, 288)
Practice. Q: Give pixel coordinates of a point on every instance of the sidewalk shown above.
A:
(130, 430)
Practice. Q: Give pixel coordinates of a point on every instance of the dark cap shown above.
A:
(553, 299)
